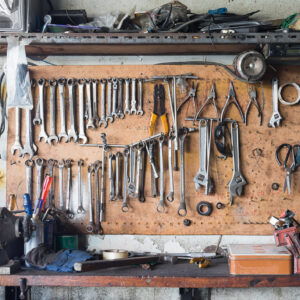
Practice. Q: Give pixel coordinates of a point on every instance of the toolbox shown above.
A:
(261, 259)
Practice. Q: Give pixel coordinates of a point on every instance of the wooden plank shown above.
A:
(248, 215)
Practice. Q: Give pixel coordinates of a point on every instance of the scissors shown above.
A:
(292, 151)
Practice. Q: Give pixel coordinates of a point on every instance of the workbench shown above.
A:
(180, 275)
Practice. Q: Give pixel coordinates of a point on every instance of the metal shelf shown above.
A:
(147, 44)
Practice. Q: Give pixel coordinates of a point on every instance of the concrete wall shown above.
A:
(270, 9)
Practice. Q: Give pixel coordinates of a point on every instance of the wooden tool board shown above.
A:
(249, 213)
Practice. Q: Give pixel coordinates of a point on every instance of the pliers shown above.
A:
(159, 109)
(192, 94)
(253, 100)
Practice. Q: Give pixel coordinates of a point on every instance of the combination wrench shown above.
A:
(39, 162)
(111, 177)
(72, 134)
(138, 171)
(125, 181)
(63, 130)
(90, 123)
(80, 209)
(96, 118)
(61, 165)
(133, 96)
(127, 96)
(29, 168)
(154, 174)
(109, 116)
(161, 206)
(131, 182)
(37, 119)
(118, 167)
(53, 135)
(51, 164)
(30, 147)
(42, 134)
(104, 149)
(120, 99)
(114, 97)
(103, 120)
(140, 97)
(170, 196)
(141, 195)
(182, 207)
(69, 213)
(90, 226)
(97, 167)
(17, 144)
(82, 136)
(276, 117)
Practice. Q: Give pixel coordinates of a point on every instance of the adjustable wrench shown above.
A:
(82, 136)
(182, 207)
(61, 165)
(114, 97)
(170, 196)
(90, 123)
(103, 120)
(51, 164)
(120, 99)
(276, 117)
(53, 135)
(131, 183)
(133, 96)
(141, 195)
(160, 206)
(63, 130)
(96, 118)
(80, 209)
(69, 213)
(17, 144)
(111, 177)
(140, 97)
(43, 133)
(97, 166)
(109, 100)
(39, 162)
(90, 227)
(138, 171)
(118, 192)
(125, 179)
(237, 181)
(29, 166)
(127, 96)
(72, 134)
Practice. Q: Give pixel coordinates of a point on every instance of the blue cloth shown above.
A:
(65, 261)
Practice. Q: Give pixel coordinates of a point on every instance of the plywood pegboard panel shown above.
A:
(248, 215)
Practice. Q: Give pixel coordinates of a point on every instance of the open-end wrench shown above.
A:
(80, 209)
(127, 96)
(90, 226)
(42, 134)
(170, 196)
(276, 117)
(138, 171)
(90, 123)
(131, 182)
(61, 165)
(125, 181)
(69, 213)
(29, 147)
(103, 120)
(114, 97)
(17, 144)
(29, 166)
(109, 116)
(237, 181)
(161, 205)
(82, 136)
(154, 174)
(96, 118)
(141, 195)
(118, 171)
(39, 162)
(37, 119)
(72, 134)
(97, 167)
(120, 99)
(182, 207)
(51, 164)
(111, 177)
(133, 96)
(53, 135)
(63, 130)
(140, 97)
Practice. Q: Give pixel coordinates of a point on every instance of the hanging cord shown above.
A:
(3, 97)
